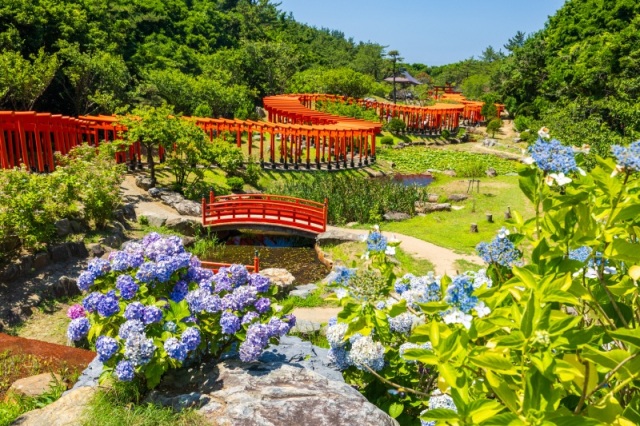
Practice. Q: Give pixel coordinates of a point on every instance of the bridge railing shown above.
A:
(267, 209)
(215, 266)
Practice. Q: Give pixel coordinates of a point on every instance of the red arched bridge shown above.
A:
(265, 211)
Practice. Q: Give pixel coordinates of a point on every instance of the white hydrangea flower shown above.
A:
(482, 310)
(456, 316)
(335, 334)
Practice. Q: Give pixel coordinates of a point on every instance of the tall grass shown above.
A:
(353, 198)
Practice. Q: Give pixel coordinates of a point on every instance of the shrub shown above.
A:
(252, 172)
(446, 134)
(493, 126)
(521, 123)
(386, 140)
(200, 189)
(190, 150)
(227, 156)
(395, 125)
(151, 308)
(546, 338)
(471, 169)
(235, 183)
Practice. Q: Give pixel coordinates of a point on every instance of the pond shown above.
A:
(413, 179)
(295, 254)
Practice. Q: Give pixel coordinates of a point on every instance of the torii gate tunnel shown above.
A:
(294, 136)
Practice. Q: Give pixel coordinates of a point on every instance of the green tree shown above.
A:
(190, 147)
(493, 126)
(516, 41)
(26, 80)
(152, 127)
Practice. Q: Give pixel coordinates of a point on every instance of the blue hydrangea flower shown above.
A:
(128, 288)
(196, 300)
(500, 251)
(339, 357)
(341, 275)
(130, 327)
(421, 289)
(139, 349)
(257, 339)
(170, 326)
(175, 349)
(278, 327)
(376, 241)
(78, 328)
(553, 156)
(105, 347)
(150, 238)
(335, 334)
(134, 310)
(124, 371)
(212, 303)
(108, 305)
(290, 319)
(460, 293)
(239, 275)
(240, 298)
(163, 247)
(401, 323)
(147, 272)
(262, 305)
(151, 315)
(119, 260)
(85, 280)
(90, 302)
(223, 282)
(179, 291)
(98, 267)
(365, 352)
(230, 323)
(581, 254)
(436, 401)
(191, 338)
(628, 157)
(260, 282)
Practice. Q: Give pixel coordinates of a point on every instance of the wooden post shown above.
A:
(489, 218)
(204, 211)
(256, 262)
(474, 228)
(325, 214)
(507, 214)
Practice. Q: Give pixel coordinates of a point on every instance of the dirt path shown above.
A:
(142, 201)
(321, 315)
(442, 258)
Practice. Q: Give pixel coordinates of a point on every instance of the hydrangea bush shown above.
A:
(151, 306)
(548, 334)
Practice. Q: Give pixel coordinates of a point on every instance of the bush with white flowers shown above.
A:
(151, 307)
(548, 334)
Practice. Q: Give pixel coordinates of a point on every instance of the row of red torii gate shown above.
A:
(295, 134)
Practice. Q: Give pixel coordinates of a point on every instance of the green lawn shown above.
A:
(451, 229)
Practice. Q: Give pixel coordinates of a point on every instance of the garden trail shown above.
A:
(443, 259)
(143, 203)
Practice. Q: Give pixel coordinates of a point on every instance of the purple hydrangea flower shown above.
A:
(76, 311)
(119, 260)
(239, 275)
(212, 304)
(196, 300)
(98, 267)
(223, 282)
(147, 272)
(257, 339)
(277, 327)
(290, 319)
(206, 284)
(135, 311)
(175, 349)
(249, 317)
(230, 323)
(191, 338)
(151, 315)
(106, 347)
(124, 371)
(78, 328)
(262, 305)
(260, 282)
(134, 326)
(240, 298)
(150, 238)
(128, 288)
(108, 305)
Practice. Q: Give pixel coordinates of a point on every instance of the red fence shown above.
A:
(265, 209)
(215, 266)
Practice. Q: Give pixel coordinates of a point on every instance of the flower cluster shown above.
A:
(376, 242)
(628, 156)
(155, 305)
(501, 251)
(359, 351)
(581, 254)
(553, 156)
(462, 301)
(438, 400)
(419, 289)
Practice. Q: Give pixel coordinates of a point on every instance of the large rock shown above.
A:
(65, 286)
(35, 385)
(63, 227)
(67, 411)
(171, 198)
(188, 208)
(395, 216)
(451, 173)
(337, 236)
(303, 291)
(279, 277)
(183, 225)
(457, 197)
(233, 393)
(144, 182)
(432, 207)
(155, 220)
(491, 172)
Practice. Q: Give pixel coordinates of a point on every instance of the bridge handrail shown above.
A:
(264, 197)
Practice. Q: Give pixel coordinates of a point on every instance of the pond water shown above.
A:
(415, 179)
(295, 254)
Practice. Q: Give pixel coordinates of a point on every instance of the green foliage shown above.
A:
(226, 156)
(347, 110)
(522, 123)
(471, 169)
(342, 81)
(418, 159)
(493, 126)
(23, 81)
(395, 125)
(235, 183)
(252, 172)
(559, 341)
(189, 150)
(16, 404)
(446, 134)
(386, 140)
(96, 180)
(351, 198)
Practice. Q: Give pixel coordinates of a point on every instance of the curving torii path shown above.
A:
(295, 135)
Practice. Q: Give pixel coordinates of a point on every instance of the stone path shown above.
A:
(143, 203)
(320, 315)
(442, 258)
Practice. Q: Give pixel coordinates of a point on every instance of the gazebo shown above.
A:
(403, 78)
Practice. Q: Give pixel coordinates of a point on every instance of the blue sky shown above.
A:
(433, 32)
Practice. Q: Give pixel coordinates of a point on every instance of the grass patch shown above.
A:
(316, 338)
(315, 300)
(411, 265)
(16, 405)
(121, 405)
(463, 265)
(451, 229)
(48, 323)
